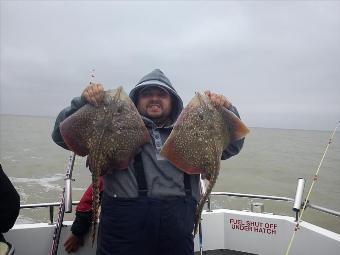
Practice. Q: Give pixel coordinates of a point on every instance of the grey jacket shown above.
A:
(162, 178)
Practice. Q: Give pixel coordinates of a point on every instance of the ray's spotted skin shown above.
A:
(110, 132)
(196, 143)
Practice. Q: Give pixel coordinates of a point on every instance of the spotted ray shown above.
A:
(109, 134)
(198, 139)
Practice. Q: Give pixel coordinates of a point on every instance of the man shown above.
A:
(148, 208)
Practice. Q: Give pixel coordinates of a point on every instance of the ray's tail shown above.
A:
(203, 199)
(95, 204)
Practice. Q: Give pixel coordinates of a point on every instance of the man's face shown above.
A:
(154, 103)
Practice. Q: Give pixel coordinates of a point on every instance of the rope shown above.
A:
(59, 224)
(310, 190)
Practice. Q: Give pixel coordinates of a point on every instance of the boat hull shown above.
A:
(240, 231)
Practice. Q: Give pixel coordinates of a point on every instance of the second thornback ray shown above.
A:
(110, 134)
(198, 139)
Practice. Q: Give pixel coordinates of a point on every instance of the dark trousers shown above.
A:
(146, 226)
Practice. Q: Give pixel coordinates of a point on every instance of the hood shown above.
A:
(157, 78)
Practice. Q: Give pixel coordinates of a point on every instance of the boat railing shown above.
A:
(213, 194)
(50, 205)
(275, 198)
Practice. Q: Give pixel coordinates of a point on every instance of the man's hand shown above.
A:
(73, 243)
(218, 99)
(93, 94)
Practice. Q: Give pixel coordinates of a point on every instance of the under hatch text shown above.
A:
(253, 226)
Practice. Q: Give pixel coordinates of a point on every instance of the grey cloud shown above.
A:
(278, 62)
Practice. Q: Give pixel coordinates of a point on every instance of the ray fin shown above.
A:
(72, 139)
(237, 128)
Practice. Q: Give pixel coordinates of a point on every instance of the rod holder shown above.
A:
(298, 196)
(68, 195)
(68, 184)
(257, 207)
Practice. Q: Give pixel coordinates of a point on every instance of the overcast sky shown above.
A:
(278, 62)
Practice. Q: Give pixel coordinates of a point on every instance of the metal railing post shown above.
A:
(51, 214)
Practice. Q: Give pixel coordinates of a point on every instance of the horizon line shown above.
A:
(50, 116)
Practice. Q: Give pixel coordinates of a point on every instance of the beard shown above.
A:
(156, 112)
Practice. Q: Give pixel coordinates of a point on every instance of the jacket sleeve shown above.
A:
(85, 203)
(10, 203)
(82, 223)
(236, 146)
(76, 104)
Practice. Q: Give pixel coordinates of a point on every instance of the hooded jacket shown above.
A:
(162, 178)
(10, 204)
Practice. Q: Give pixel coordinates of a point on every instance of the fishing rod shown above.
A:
(63, 207)
(92, 77)
(315, 178)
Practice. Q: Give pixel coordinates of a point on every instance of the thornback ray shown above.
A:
(200, 134)
(110, 134)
